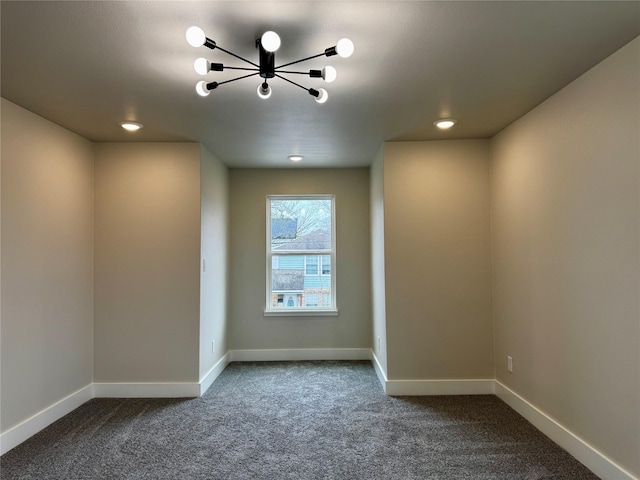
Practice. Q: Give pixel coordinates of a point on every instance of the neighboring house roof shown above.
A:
(316, 240)
(287, 280)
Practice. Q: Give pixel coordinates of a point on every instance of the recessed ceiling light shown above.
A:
(445, 123)
(295, 158)
(131, 126)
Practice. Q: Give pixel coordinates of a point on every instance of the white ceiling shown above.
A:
(88, 65)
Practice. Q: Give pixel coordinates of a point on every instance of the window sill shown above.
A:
(293, 312)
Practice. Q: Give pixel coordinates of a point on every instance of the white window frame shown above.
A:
(330, 310)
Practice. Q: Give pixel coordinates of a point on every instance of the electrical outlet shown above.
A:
(509, 363)
(204, 264)
(213, 346)
(379, 343)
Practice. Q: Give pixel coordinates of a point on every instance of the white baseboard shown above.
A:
(594, 460)
(382, 375)
(146, 390)
(211, 375)
(431, 387)
(21, 432)
(440, 387)
(288, 355)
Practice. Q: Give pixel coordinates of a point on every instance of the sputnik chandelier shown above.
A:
(267, 45)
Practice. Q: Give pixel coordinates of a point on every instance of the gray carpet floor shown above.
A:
(293, 420)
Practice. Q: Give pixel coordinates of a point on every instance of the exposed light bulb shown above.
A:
(345, 47)
(264, 90)
(195, 36)
(201, 66)
(329, 74)
(201, 88)
(445, 123)
(270, 41)
(295, 158)
(323, 96)
(131, 126)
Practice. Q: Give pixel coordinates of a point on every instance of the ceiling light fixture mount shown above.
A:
(267, 45)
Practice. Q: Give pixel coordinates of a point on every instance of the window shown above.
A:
(326, 265)
(311, 265)
(300, 255)
(311, 299)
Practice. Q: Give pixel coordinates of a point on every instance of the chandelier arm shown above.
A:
(238, 78)
(237, 56)
(290, 81)
(242, 68)
(289, 71)
(300, 61)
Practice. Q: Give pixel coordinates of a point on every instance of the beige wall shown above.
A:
(249, 328)
(565, 213)
(47, 264)
(147, 258)
(378, 304)
(437, 254)
(214, 179)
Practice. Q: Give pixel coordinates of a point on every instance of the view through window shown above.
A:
(300, 253)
